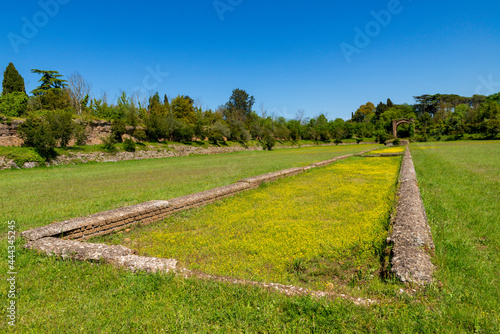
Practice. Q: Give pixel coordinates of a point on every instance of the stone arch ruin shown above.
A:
(397, 122)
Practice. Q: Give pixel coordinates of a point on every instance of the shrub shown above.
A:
(62, 125)
(129, 145)
(37, 133)
(159, 126)
(268, 141)
(108, 143)
(14, 104)
(245, 135)
(396, 142)
(218, 132)
(183, 132)
(140, 135)
(359, 140)
(80, 134)
(338, 141)
(118, 129)
(421, 138)
(381, 137)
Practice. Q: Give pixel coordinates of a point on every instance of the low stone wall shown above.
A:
(119, 256)
(118, 219)
(411, 237)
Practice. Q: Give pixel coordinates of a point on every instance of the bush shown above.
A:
(140, 135)
(37, 133)
(421, 138)
(381, 137)
(108, 143)
(62, 125)
(80, 134)
(268, 141)
(159, 127)
(129, 145)
(396, 142)
(338, 141)
(183, 132)
(14, 104)
(359, 140)
(118, 129)
(218, 132)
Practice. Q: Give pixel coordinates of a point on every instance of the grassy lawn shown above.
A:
(460, 183)
(42, 195)
(318, 229)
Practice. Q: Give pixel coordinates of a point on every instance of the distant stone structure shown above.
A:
(397, 122)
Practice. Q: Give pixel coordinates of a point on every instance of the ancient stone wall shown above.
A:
(411, 237)
(8, 134)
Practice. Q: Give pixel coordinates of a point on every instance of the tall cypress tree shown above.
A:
(12, 81)
(166, 104)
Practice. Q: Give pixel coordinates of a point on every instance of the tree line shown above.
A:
(56, 102)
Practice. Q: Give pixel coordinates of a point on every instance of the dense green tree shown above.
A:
(363, 112)
(62, 125)
(12, 81)
(239, 106)
(166, 104)
(182, 108)
(155, 106)
(51, 92)
(494, 97)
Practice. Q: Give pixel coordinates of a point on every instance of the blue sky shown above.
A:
(288, 54)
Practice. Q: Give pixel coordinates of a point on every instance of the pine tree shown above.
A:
(50, 81)
(155, 106)
(12, 81)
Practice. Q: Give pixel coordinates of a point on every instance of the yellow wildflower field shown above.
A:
(396, 149)
(287, 228)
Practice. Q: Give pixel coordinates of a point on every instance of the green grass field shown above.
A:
(460, 185)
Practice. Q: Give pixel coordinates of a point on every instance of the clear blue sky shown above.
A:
(287, 54)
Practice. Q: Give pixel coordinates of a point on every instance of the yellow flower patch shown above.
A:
(396, 149)
(333, 213)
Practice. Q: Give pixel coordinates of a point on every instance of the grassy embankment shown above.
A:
(460, 185)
